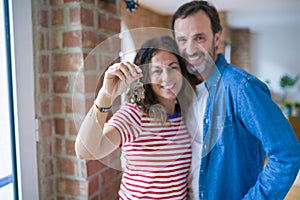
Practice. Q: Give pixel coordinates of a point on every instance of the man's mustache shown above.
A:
(196, 54)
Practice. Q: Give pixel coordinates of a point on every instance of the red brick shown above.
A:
(55, 41)
(45, 107)
(61, 84)
(73, 129)
(93, 185)
(59, 126)
(58, 17)
(67, 166)
(108, 22)
(43, 18)
(44, 84)
(69, 105)
(56, 2)
(88, 39)
(107, 6)
(57, 105)
(89, 62)
(72, 39)
(46, 128)
(70, 147)
(43, 64)
(42, 44)
(87, 17)
(96, 197)
(67, 62)
(91, 83)
(72, 187)
(94, 166)
(75, 15)
(58, 146)
(100, 38)
(108, 175)
(110, 191)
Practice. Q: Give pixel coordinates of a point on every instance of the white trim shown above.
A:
(23, 86)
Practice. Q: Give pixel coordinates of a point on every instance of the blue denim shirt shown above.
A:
(242, 125)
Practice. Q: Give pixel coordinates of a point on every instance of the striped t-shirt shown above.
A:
(157, 156)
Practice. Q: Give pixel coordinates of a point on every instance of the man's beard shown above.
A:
(204, 65)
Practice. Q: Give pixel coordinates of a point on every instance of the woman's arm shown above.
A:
(94, 139)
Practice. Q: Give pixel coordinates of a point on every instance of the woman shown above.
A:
(149, 129)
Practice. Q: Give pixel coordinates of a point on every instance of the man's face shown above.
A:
(196, 42)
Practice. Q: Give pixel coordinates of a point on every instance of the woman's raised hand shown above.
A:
(118, 78)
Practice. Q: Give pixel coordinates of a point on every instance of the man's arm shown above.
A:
(267, 123)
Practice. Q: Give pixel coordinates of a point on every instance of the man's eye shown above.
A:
(181, 40)
(199, 38)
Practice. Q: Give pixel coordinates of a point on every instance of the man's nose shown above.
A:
(191, 47)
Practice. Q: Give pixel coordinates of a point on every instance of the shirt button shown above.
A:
(206, 121)
(201, 194)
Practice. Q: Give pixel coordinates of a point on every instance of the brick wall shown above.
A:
(239, 39)
(225, 37)
(65, 32)
(240, 48)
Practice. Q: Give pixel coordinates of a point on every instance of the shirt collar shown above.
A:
(216, 71)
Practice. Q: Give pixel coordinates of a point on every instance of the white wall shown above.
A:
(275, 42)
(275, 52)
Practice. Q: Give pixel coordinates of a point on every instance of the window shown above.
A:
(19, 99)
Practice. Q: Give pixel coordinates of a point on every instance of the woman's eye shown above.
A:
(174, 67)
(156, 71)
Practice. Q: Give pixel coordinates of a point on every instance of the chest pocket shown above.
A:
(219, 132)
(225, 130)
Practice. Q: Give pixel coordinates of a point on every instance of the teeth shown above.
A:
(193, 58)
(168, 86)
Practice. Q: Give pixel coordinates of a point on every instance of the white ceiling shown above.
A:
(253, 14)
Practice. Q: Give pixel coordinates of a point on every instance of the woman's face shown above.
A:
(165, 75)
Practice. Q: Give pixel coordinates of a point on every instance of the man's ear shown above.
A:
(218, 39)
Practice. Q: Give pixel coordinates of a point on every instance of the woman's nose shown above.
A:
(164, 75)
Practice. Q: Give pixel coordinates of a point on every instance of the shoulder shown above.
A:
(236, 77)
(129, 107)
(128, 112)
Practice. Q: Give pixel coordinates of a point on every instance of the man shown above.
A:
(240, 125)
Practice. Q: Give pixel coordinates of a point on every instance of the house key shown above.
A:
(139, 91)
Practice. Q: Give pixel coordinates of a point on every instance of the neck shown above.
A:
(203, 76)
(169, 106)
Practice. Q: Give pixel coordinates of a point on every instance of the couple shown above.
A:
(238, 123)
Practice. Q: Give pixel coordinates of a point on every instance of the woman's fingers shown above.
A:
(125, 71)
(134, 70)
